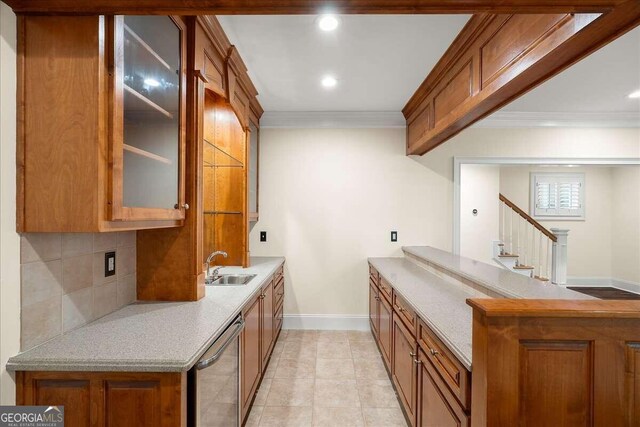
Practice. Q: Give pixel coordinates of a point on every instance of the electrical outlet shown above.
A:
(109, 264)
(394, 236)
(263, 236)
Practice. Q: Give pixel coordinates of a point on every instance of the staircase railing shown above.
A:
(537, 248)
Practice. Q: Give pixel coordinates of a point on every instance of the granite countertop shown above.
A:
(441, 303)
(497, 279)
(152, 337)
(438, 302)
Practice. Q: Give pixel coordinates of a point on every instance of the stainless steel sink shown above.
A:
(233, 280)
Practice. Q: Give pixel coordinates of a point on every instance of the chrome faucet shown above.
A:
(212, 273)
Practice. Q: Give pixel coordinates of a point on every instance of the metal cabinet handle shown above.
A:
(433, 352)
(280, 294)
(238, 327)
(185, 206)
(412, 354)
(416, 361)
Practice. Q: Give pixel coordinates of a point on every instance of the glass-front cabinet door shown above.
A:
(149, 118)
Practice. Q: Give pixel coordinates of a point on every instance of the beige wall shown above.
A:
(522, 142)
(479, 190)
(625, 242)
(590, 240)
(9, 239)
(329, 199)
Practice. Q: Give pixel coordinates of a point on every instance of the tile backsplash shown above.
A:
(63, 285)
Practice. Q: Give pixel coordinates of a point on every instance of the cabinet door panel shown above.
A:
(437, 405)
(404, 370)
(250, 355)
(374, 309)
(132, 403)
(385, 330)
(74, 395)
(267, 322)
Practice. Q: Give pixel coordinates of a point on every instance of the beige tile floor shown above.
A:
(326, 378)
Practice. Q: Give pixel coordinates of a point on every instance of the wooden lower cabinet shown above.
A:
(267, 336)
(385, 330)
(250, 355)
(120, 399)
(437, 407)
(263, 321)
(404, 370)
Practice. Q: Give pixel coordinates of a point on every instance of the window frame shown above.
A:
(579, 176)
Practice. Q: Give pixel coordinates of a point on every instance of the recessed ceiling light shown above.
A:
(328, 23)
(329, 81)
(151, 82)
(635, 94)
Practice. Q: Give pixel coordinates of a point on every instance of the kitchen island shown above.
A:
(470, 343)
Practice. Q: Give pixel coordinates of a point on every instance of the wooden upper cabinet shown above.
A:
(101, 127)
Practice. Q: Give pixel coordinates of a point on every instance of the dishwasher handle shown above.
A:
(237, 326)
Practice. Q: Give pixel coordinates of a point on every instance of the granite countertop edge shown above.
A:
(504, 292)
(21, 363)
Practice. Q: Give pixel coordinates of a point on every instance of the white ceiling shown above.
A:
(379, 60)
(600, 82)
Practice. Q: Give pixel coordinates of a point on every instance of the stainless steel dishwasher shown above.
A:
(214, 382)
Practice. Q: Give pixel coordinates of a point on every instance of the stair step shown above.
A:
(508, 256)
(544, 279)
(523, 267)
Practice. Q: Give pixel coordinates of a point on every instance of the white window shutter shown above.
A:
(557, 195)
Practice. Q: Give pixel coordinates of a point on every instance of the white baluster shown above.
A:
(501, 222)
(540, 254)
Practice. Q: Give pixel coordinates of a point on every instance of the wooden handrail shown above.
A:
(528, 218)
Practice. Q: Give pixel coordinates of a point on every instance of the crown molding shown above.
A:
(521, 119)
(500, 119)
(332, 119)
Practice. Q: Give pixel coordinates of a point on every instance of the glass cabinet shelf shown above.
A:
(215, 157)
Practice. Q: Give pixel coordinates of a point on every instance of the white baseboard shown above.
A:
(626, 285)
(587, 282)
(330, 322)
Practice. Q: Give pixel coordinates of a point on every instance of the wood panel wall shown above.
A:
(556, 363)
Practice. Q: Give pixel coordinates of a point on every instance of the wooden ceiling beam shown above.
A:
(281, 7)
(496, 59)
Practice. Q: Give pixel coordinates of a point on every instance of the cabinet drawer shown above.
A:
(278, 294)
(373, 275)
(279, 273)
(405, 312)
(386, 289)
(450, 369)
